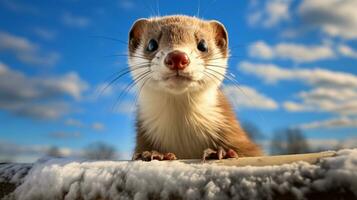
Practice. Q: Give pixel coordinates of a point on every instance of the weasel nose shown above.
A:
(177, 60)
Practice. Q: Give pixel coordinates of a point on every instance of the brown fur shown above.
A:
(169, 32)
(233, 136)
(175, 30)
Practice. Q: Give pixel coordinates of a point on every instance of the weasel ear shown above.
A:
(136, 32)
(221, 34)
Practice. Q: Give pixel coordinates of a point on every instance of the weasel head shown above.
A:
(178, 54)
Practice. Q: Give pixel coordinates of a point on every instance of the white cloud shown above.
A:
(342, 122)
(323, 99)
(51, 110)
(347, 51)
(333, 17)
(314, 76)
(247, 97)
(272, 13)
(262, 50)
(45, 33)
(294, 107)
(65, 135)
(291, 51)
(71, 20)
(19, 7)
(126, 4)
(332, 91)
(29, 153)
(74, 122)
(98, 126)
(112, 90)
(26, 51)
(37, 96)
(328, 144)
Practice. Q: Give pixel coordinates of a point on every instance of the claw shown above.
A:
(156, 155)
(136, 156)
(146, 156)
(220, 154)
(170, 156)
(209, 153)
(231, 154)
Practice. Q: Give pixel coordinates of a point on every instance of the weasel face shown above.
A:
(178, 54)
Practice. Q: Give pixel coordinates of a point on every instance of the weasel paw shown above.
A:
(219, 154)
(154, 155)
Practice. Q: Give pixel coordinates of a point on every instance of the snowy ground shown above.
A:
(67, 179)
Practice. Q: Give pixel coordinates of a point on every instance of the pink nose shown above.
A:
(177, 60)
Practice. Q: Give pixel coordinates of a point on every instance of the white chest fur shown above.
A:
(184, 124)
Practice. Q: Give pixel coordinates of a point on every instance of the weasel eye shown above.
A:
(202, 46)
(152, 46)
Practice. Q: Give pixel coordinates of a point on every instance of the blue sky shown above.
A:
(295, 61)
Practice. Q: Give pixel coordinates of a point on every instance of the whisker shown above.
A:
(131, 85)
(126, 55)
(230, 57)
(204, 11)
(121, 74)
(224, 75)
(148, 6)
(110, 38)
(125, 68)
(140, 89)
(218, 79)
(158, 7)
(218, 66)
(204, 56)
(237, 85)
(214, 79)
(198, 8)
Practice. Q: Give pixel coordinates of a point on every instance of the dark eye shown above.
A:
(202, 46)
(152, 46)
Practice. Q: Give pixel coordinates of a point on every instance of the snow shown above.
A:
(76, 179)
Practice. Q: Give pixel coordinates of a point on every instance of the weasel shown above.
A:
(178, 63)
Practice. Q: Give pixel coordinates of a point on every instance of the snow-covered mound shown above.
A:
(334, 177)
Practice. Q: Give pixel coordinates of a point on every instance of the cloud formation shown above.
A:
(38, 97)
(97, 126)
(26, 51)
(332, 91)
(28, 153)
(342, 122)
(74, 123)
(71, 20)
(333, 17)
(19, 7)
(247, 97)
(347, 51)
(313, 76)
(44, 33)
(65, 135)
(329, 144)
(272, 13)
(341, 101)
(126, 4)
(291, 51)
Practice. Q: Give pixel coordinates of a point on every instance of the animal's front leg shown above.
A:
(153, 155)
(219, 154)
